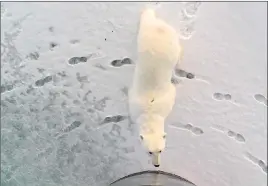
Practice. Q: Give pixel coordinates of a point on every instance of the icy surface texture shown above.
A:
(65, 70)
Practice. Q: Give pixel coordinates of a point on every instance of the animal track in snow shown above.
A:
(114, 119)
(115, 130)
(125, 90)
(189, 127)
(68, 129)
(33, 56)
(52, 45)
(42, 82)
(51, 29)
(100, 104)
(94, 104)
(86, 94)
(261, 99)
(5, 88)
(74, 41)
(191, 8)
(256, 161)
(76, 102)
(183, 73)
(116, 63)
(219, 96)
(77, 60)
(188, 13)
(231, 134)
(81, 79)
(40, 70)
(62, 74)
(187, 75)
(238, 137)
(83, 59)
(188, 31)
(73, 126)
(119, 62)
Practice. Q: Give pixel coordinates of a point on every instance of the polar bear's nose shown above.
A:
(156, 165)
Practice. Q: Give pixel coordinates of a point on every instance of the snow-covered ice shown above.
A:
(65, 70)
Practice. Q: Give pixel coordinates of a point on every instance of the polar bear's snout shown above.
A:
(156, 159)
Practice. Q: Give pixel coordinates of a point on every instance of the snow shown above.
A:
(64, 122)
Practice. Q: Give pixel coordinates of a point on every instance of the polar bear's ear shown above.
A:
(141, 137)
(165, 135)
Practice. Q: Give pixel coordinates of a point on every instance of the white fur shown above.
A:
(152, 95)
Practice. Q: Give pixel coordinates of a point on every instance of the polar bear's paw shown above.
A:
(175, 80)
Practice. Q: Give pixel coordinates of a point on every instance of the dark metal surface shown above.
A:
(152, 178)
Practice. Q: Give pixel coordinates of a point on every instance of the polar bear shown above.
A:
(152, 95)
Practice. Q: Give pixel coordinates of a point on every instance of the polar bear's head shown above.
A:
(154, 143)
(152, 135)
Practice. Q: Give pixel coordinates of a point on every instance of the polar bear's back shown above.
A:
(158, 53)
(154, 102)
